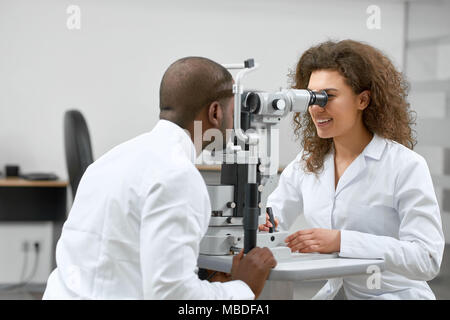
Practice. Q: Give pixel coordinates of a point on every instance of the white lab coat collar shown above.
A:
(373, 150)
(168, 128)
(375, 147)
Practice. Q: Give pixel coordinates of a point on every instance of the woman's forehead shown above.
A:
(326, 79)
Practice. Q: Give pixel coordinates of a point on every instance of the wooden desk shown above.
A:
(208, 168)
(24, 200)
(19, 182)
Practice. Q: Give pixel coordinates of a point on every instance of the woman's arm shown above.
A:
(417, 253)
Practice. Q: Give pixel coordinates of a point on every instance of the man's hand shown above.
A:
(268, 224)
(253, 268)
(315, 240)
(215, 276)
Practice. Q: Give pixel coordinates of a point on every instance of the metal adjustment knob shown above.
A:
(231, 205)
(279, 104)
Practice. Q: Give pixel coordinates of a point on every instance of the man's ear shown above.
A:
(215, 114)
(364, 99)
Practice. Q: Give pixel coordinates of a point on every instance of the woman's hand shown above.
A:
(268, 224)
(315, 240)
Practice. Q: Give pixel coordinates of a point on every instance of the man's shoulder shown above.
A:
(183, 185)
(184, 173)
(176, 175)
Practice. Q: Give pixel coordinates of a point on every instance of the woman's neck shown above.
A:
(351, 144)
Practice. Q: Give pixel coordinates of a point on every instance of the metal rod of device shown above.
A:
(250, 207)
(234, 66)
(251, 213)
(237, 90)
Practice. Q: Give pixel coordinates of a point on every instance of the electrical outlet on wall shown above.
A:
(20, 245)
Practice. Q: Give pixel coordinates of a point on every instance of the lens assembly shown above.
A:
(252, 102)
(318, 97)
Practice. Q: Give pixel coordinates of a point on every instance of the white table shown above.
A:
(297, 268)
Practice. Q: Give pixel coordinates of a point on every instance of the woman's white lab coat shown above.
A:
(385, 207)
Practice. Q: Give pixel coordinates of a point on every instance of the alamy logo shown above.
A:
(374, 19)
(74, 19)
(374, 280)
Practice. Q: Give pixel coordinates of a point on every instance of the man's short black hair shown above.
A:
(189, 85)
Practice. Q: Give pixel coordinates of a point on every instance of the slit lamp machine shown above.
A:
(249, 162)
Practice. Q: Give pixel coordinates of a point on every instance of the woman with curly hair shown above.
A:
(360, 186)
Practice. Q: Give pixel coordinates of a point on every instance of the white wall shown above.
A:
(111, 68)
(428, 69)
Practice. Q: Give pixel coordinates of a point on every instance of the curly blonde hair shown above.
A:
(364, 68)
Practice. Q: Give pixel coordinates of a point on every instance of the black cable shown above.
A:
(26, 249)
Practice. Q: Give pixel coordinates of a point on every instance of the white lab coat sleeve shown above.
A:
(286, 200)
(417, 253)
(172, 225)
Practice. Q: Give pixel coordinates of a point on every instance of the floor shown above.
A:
(30, 292)
(440, 286)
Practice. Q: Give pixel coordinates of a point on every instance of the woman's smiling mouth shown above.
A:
(323, 122)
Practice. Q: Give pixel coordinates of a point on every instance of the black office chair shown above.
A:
(77, 143)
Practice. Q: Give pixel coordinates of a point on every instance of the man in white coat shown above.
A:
(142, 209)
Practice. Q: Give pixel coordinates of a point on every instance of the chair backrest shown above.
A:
(77, 144)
